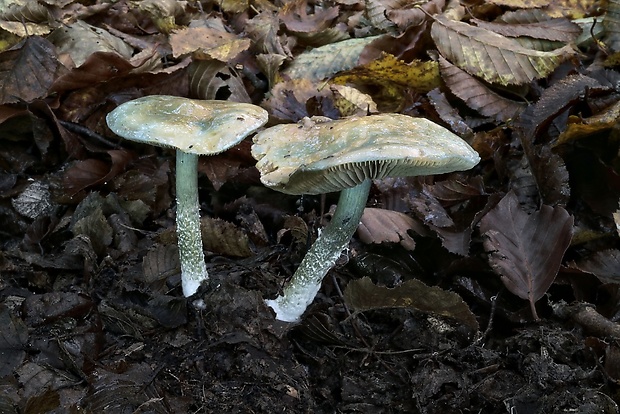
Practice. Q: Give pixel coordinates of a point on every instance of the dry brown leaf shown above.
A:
(80, 40)
(386, 226)
(225, 238)
(520, 4)
(289, 99)
(297, 228)
(263, 30)
(559, 30)
(160, 263)
(295, 17)
(477, 95)
(491, 56)
(207, 43)
(526, 250)
(28, 71)
(449, 114)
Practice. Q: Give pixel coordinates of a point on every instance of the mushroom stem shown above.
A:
(322, 256)
(193, 268)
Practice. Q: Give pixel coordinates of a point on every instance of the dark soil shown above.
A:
(76, 341)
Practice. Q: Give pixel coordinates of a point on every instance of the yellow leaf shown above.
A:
(491, 56)
(350, 101)
(394, 75)
(578, 128)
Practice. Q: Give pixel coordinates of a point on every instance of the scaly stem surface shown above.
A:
(193, 268)
(322, 256)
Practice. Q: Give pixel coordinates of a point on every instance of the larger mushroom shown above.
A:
(345, 155)
(193, 127)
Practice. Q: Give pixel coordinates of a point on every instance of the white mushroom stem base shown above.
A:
(322, 256)
(193, 268)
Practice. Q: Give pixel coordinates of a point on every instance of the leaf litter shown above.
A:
(478, 291)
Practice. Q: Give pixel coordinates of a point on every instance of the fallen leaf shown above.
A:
(160, 263)
(208, 42)
(28, 70)
(603, 264)
(225, 238)
(212, 79)
(325, 61)
(491, 56)
(362, 295)
(13, 339)
(386, 226)
(559, 30)
(477, 95)
(526, 250)
(79, 40)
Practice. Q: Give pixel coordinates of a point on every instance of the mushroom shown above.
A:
(193, 127)
(345, 155)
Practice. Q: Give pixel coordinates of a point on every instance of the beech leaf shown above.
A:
(363, 295)
(385, 226)
(211, 43)
(27, 72)
(526, 250)
(223, 237)
(491, 56)
(603, 264)
(477, 95)
(325, 61)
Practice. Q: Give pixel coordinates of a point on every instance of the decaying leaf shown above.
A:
(160, 263)
(386, 226)
(28, 71)
(34, 201)
(289, 100)
(362, 295)
(213, 79)
(314, 29)
(449, 114)
(223, 237)
(351, 102)
(80, 40)
(162, 12)
(491, 56)
(558, 30)
(124, 392)
(554, 100)
(477, 95)
(207, 43)
(390, 72)
(603, 264)
(454, 237)
(611, 23)
(325, 61)
(578, 127)
(526, 250)
(13, 338)
(296, 227)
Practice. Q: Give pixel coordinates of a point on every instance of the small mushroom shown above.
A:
(193, 127)
(345, 155)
